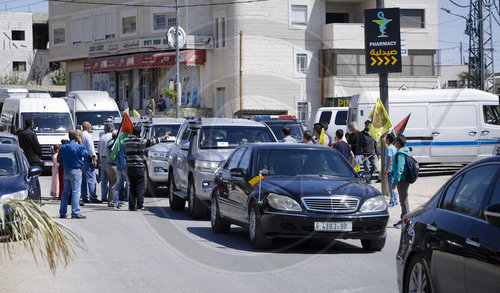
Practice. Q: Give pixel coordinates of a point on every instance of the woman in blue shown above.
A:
(398, 167)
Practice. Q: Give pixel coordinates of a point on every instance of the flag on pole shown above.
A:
(136, 114)
(322, 140)
(256, 180)
(380, 121)
(400, 128)
(124, 132)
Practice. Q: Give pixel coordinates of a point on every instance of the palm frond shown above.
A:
(41, 234)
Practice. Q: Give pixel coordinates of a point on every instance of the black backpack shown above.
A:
(411, 169)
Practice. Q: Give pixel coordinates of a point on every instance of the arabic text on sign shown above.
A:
(383, 53)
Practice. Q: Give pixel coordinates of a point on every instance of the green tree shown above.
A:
(171, 94)
(462, 79)
(59, 77)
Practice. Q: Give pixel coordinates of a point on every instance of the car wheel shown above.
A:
(218, 224)
(152, 188)
(176, 203)
(417, 277)
(255, 233)
(373, 244)
(197, 209)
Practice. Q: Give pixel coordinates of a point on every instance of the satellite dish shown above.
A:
(171, 37)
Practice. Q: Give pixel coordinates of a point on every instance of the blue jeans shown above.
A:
(357, 160)
(121, 177)
(394, 195)
(104, 179)
(73, 182)
(371, 159)
(90, 180)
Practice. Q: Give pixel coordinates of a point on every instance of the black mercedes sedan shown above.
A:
(452, 243)
(296, 190)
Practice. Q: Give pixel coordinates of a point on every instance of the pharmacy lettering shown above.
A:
(382, 41)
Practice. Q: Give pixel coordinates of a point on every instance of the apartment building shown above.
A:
(276, 56)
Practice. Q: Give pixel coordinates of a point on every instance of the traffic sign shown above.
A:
(382, 40)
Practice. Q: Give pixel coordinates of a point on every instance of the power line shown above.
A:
(27, 5)
(459, 5)
(158, 5)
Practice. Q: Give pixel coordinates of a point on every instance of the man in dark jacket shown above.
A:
(134, 148)
(370, 150)
(356, 141)
(28, 141)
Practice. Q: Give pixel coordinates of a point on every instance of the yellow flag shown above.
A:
(322, 140)
(380, 121)
(136, 114)
(255, 180)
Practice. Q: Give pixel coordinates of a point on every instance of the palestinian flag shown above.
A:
(124, 132)
(400, 128)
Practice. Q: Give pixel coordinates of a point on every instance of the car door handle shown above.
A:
(435, 133)
(432, 227)
(472, 133)
(485, 132)
(472, 242)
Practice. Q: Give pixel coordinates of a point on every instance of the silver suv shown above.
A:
(200, 146)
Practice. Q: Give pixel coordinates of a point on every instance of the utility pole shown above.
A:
(177, 78)
(383, 80)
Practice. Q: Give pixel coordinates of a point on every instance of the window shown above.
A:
(412, 18)
(337, 17)
(105, 26)
(299, 15)
(491, 114)
(245, 161)
(223, 32)
(128, 25)
(163, 21)
(303, 112)
(216, 34)
(18, 36)
(495, 198)
(452, 83)
(341, 118)
(235, 159)
(18, 66)
(301, 63)
(450, 193)
(59, 36)
(471, 191)
(81, 29)
(325, 117)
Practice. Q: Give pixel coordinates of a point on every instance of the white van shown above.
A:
(336, 117)
(11, 92)
(51, 117)
(445, 126)
(94, 107)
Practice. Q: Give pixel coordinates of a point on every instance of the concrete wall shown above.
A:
(15, 50)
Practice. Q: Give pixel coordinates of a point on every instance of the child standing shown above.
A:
(54, 189)
(389, 157)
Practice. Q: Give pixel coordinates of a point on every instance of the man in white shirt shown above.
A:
(287, 138)
(103, 149)
(89, 177)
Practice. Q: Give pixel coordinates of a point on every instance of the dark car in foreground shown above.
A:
(17, 178)
(304, 191)
(452, 243)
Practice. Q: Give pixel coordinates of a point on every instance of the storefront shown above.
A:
(135, 79)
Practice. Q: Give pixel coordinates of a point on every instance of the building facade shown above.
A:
(286, 56)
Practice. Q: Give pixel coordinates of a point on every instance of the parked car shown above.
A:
(200, 147)
(7, 138)
(278, 122)
(452, 243)
(305, 191)
(17, 178)
(156, 155)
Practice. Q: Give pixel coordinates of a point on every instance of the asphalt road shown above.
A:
(158, 250)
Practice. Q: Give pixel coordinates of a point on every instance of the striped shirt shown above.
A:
(134, 148)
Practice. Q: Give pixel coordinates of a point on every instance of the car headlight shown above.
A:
(284, 203)
(19, 195)
(158, 155)
(207, 166)
(374, 204)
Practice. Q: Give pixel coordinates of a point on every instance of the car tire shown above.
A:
(255, 232)
(417, 277)
(216, 221)
(373, 244)
(176, 203)
(152, 187)
(197, 208)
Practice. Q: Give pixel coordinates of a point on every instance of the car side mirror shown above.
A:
(237, 172)
(365, 175)
(492, 214)
(184, 145)
(34, 171)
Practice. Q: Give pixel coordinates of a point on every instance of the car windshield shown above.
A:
(7, 140)
(96, 119)
(161, 130)
(8, 163)
(301, 161)
(50, 122)
(296, 130)
(232, 136)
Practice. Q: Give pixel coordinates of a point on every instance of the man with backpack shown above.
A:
(400, 175)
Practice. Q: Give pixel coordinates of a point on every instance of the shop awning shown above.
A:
(144, 60)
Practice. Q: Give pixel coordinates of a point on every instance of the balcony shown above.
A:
(343, 36)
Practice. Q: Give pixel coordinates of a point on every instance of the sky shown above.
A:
(450, 28)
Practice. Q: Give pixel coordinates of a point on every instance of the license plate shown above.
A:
(333, 226)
